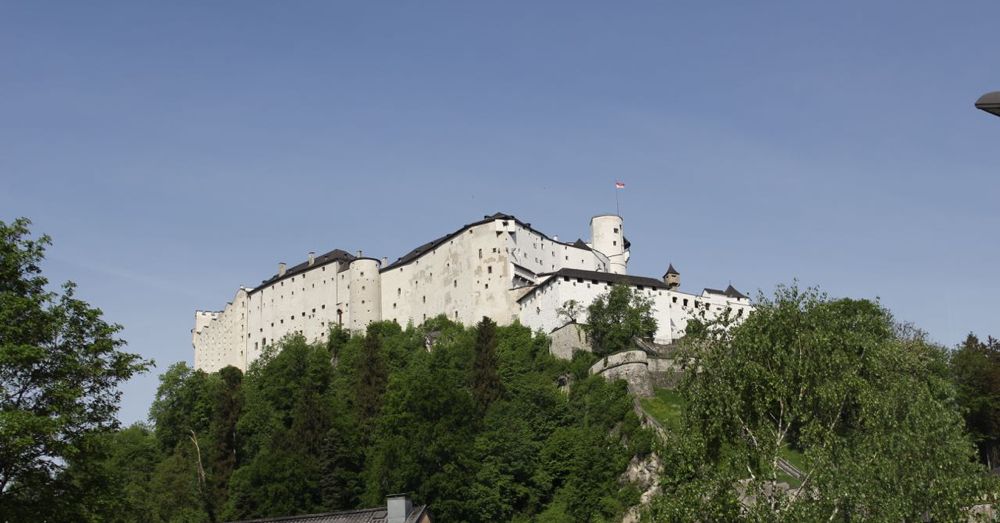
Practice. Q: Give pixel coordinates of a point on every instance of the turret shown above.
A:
(607, 236)
(672, 278)
(365, 305)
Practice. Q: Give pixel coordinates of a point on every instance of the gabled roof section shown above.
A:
(606, 277)
(730, 292)
(336, 255)
(415, 254)
(368, 515)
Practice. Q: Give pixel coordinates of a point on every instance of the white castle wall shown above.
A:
(608, 237)
(365, 293)
(672, 309)
(472, 274)
(481, 270)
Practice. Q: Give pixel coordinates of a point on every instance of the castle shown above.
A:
(498, 267)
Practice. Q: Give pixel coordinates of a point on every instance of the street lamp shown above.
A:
(989, 102)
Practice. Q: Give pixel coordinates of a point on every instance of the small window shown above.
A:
(424, 299)
(489, 269)
(480, 252)
(675, 299)
(616, 229)
(685, 302)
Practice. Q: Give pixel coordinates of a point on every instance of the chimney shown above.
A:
(555, 238)
(281, 268)
(399, 507)
(359, 253)
(385, 261)
(312, 258)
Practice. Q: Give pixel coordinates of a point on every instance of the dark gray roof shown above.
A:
(368, 515)
(672, 270)
(431, 245)
(989, 102)
(335, 255)
(730, 291)
(605, 277)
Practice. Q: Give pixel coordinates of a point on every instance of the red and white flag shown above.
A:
(619, 185)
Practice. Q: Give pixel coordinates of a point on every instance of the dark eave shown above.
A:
(606, 277)
(730, 292)
(415, 254)
(336, 255)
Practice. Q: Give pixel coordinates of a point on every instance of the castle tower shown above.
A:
(607, 236)
(672, 278)
(365, 297)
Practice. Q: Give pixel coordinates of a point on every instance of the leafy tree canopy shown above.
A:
(60, 367)
(616, 317)
(866, 403)
(975, 368)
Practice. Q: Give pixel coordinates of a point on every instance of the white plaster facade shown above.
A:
(671, 308)
(498, 267)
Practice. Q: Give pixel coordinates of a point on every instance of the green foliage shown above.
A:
(667, 406)
(975, 368)
(477, 427)
(60, 367)
(486, 385)
(867, 404)
(616, 317)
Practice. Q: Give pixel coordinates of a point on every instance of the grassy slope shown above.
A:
(667, 407)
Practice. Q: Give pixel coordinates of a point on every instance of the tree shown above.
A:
(486, 385)
(60, 367)
(866, 406)
(616, 317)
(372, 376)
(975, 367)
(281, 430)
(570, 310)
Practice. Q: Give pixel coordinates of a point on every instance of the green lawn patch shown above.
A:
(666, 406)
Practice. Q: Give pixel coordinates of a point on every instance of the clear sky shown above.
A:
(176, 151)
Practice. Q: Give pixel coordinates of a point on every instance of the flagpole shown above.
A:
(618, 207)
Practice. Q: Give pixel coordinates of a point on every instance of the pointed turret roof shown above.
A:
(732, 292)
(672, 270)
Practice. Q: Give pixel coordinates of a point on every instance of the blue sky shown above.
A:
(176, 151)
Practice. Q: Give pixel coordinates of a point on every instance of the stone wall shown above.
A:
(631, 366)
(568, 339)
